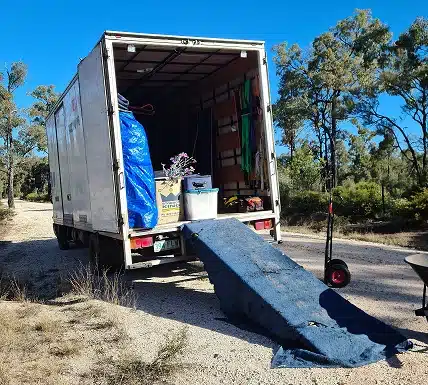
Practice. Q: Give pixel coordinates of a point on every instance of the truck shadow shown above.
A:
(182, 293)
(40, 265)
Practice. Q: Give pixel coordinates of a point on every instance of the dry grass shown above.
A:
(96, 284)
(132, 370)
(41, 342)
(65, 349)
(24, 346)
(12, 289)
(417, 239)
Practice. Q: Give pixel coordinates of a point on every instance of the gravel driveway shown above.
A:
(172, 297)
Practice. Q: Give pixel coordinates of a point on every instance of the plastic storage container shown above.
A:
(197, 182)
(200, 204)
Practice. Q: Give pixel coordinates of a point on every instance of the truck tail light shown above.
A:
(259, 225)
(268, 224)
(141, 242)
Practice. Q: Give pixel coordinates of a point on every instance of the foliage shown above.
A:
(37, 197)
(403, 76)
(10, 120)
(36, 178)
(330, 95)
(45, 99)
(20, 170)
(307, 202)
(303, 169)
(318, 87)
(5, 212)
(362, 199)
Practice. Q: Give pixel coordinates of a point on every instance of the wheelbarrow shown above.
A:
(419, 263)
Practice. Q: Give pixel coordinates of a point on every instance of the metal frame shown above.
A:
(118, 154)
(270, 141)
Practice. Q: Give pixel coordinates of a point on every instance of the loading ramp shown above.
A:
(259, 284)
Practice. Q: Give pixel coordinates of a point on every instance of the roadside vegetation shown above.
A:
(5, 213)
(330, 116)
(79, 337)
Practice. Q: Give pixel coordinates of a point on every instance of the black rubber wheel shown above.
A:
(338, 262)
(94, 251)
(62, 237)
(105, 252)
(338, 275)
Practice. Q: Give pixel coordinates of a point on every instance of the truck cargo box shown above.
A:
(193, 95)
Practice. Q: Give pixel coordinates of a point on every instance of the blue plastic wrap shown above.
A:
(139, 176)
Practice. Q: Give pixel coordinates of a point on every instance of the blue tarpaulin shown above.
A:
(139, 176)
(314, 325)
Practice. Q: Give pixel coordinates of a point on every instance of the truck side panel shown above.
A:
(64, 164)
(79, 184)
(96, 130)
(55, 176)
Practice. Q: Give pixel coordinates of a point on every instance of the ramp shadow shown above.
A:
(197, 306)
(358, 322)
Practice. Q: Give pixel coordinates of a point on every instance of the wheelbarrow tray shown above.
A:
(419, 263)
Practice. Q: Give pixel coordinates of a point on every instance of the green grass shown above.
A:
(36, 197)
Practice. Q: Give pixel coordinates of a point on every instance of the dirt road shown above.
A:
(171, 297)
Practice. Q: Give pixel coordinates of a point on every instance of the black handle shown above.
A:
(199, 184)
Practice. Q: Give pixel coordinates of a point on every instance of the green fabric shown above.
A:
(245, 128)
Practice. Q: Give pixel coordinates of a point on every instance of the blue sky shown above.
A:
(51, 36)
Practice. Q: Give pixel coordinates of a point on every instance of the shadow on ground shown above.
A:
(198, 306)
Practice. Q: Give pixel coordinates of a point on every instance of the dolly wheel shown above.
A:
(338, 262)
(338, 275)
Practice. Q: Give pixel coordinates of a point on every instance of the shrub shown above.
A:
(5, 213)
(363, 199)
(306, 202)
(402, 207)
(416, 207)
(35, 197)
(419, 203)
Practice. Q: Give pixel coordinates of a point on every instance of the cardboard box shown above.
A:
(169, 201)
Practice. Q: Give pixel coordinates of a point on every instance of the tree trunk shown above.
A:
(333, 142)
(292, 147)
(424, 155)
(383, 198)
(10, 167)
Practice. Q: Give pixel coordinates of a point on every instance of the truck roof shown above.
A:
(179, 37)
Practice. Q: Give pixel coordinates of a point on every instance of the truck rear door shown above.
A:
(64, 169)
(96, 126)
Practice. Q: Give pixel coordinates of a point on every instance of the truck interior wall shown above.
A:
(199, 119)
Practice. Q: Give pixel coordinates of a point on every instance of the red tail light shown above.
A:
(141, 242)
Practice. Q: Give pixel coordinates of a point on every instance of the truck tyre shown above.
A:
(105, 252)
(75, 235)
(94, 251)
(62, 236)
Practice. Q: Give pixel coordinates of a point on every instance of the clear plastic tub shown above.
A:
(200, 204)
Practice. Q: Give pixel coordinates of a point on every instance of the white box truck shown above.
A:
(192, 84)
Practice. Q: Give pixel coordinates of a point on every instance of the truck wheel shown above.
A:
(105, 252)
(75, 235)
(338, 275)
(62, 236)
(94, 251)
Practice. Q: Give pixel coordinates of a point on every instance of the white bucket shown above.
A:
(200, 204)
